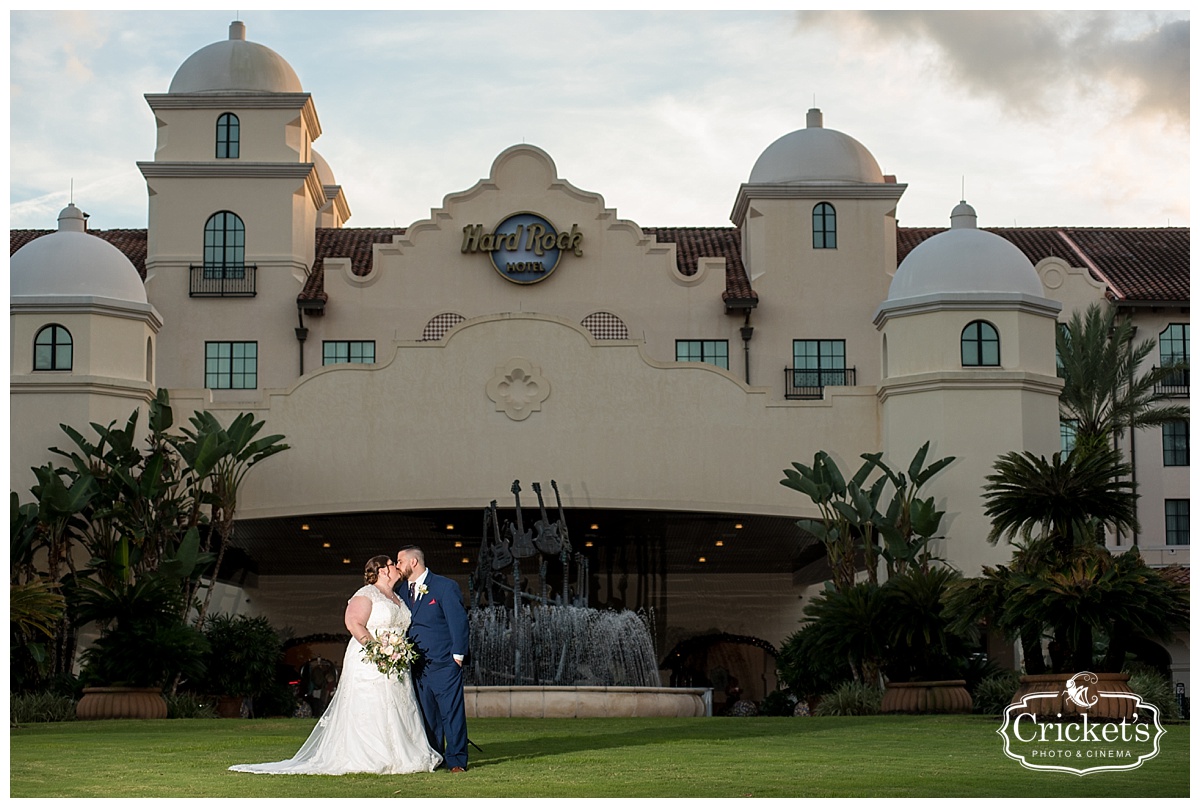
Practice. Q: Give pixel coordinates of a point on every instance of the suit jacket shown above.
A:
(439, 622)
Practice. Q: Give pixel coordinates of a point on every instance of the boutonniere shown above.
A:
(422, 590)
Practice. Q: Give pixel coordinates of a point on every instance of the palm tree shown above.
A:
(1062, 501)
(1103, 392)
(1061, 579)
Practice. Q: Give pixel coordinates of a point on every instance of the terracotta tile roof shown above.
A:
(1138, 264)
(1177, 574)
(694, 243)
(355, 243)
(130, 242)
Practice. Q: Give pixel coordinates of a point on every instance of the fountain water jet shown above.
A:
(549, 654)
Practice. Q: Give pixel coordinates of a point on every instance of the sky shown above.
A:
(1042, 118)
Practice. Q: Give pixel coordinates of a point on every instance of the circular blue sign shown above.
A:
(527, 248)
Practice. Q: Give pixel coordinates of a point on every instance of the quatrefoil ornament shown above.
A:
(518, 388)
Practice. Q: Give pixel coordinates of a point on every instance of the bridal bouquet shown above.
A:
(392, 652)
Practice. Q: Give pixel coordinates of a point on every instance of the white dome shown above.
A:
(815, 154)
(965, 259)
(235, 65)
(324, 172)
(73, 263)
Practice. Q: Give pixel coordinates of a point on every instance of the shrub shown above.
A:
(851, 698)
(243, 657)
(805, 668)
(190, 705)
(1156, 689)
(995, 692)
(30, 708)
(277, 700)
(778, 702)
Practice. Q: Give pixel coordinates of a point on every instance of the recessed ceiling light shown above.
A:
(304, 526)
(345, 561)
(449, 527)
(466, 561)
(595, 527)
(738, 526)
(720, 543)
(458, 544)
(703, 559)
(587, 544)
(325, 544)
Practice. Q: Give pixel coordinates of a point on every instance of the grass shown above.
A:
(878, 756)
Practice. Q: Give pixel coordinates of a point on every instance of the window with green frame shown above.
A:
(1178, 512)
(231, 365)
(824, 226)
(1068, 429)
(53, 348)
(1176, 449)
(224, 246)
(1173, 349)
(980, 345)
(336, 352)
(228, 136)
(712, 351)
(818, 363)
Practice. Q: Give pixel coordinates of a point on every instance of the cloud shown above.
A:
(1028, 60)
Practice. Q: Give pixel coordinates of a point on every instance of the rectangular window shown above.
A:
(334, 352)
(231, 365)
(1067, 430)
(1178, 511)
(819, 363)
(1175, 443)
(712, 351)
(1173, 349)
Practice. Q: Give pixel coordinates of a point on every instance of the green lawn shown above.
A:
(884, 756)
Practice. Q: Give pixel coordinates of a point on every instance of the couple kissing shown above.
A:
(386, 717)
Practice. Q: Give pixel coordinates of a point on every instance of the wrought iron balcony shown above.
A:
(799, 383)
(208, 280)
(1176, 385)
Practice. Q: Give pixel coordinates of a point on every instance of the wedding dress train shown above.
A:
(372, 724)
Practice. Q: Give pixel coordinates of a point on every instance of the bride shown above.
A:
(372, 723)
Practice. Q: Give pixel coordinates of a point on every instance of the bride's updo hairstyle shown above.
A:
(371, 570)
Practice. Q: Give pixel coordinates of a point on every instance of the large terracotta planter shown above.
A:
(1054, 704)
(949, 696)
(229, 706)
(121, 702)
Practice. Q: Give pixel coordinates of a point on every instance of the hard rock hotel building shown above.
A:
(523, 330)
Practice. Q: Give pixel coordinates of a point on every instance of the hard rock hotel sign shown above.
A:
(525, 247)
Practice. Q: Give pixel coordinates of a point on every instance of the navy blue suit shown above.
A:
(439, 630)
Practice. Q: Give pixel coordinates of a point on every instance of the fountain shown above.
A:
(538, 650)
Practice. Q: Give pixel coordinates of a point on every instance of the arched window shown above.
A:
(824, 227)
(980, 345)
(53, 349)
(228, 136)
(224, 246)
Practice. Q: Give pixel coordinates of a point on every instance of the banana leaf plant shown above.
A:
(851, 523)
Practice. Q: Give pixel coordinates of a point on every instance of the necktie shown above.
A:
(412, 591)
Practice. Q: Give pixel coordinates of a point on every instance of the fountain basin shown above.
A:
(536, 701)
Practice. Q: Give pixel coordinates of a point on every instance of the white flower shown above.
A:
(422, 589)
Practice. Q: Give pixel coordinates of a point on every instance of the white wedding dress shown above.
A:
(372, 724)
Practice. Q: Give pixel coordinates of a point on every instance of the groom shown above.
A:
(439, 630)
